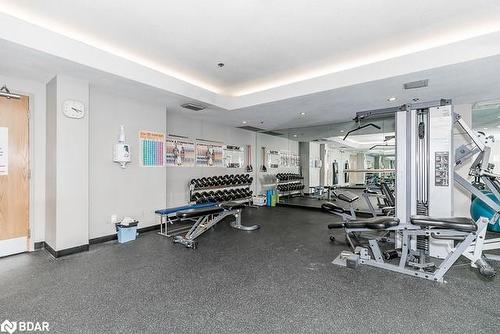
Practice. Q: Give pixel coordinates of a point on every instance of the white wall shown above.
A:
(51, 164)
(137, 191)
(134, 191)
(67, 165)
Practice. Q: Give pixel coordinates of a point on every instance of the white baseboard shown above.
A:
(13, 246)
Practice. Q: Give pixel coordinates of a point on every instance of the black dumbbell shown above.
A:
(218, 196)
(220, 180)
(203, 182)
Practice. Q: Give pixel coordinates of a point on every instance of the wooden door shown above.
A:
(14, 180)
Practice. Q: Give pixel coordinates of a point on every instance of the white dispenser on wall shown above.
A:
(121, 151)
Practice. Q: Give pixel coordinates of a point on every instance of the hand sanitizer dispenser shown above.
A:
(121, 151)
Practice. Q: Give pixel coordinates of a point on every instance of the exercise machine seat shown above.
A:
(347, 197)
(461, 224)
(232, 205)
(193, 213)
(369, 191)
(376, 223)
(332, 208)
(184, 207)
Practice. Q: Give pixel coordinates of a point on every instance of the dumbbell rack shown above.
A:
(289, 193)
(193, 190)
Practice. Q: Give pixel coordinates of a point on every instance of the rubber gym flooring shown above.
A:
(278, 279)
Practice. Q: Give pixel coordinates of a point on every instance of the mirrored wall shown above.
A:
(486, 119)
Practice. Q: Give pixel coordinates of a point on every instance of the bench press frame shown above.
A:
(204, 223)
(201, 224)
(464, 248)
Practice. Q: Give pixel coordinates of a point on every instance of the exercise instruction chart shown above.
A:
(152, 148)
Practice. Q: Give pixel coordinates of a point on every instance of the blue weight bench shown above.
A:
(167, 217)
(204, 216)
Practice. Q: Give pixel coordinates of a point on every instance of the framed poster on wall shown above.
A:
(179, 152)
(274, 159)
(234, 156)
(209, 155)
(152, 148)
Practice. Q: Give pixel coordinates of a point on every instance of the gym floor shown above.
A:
(278, 279)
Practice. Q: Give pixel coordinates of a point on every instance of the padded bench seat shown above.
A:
(461, 224)
(184, 207)
(347, 196)
(193, 213)
(232, 205)
(376, 223)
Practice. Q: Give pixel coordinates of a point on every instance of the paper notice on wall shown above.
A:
(4, 151)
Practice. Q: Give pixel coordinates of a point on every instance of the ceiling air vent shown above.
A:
(272, 133)
(416, 84)
(250, 128)
(192, 106)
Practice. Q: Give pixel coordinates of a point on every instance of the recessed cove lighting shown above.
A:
(391, 99)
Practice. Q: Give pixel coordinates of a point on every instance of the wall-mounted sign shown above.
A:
(152, 148)
(179, 152)
(274, 159)
(234, 156)
(209, 155)
(4, 151)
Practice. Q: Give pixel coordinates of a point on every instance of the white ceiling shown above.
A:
(328, 59)
(263, 43)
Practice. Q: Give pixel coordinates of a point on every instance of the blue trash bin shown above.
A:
(126, 233)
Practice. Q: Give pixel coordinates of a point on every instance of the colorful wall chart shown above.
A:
(152, 148)
(179, 152)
